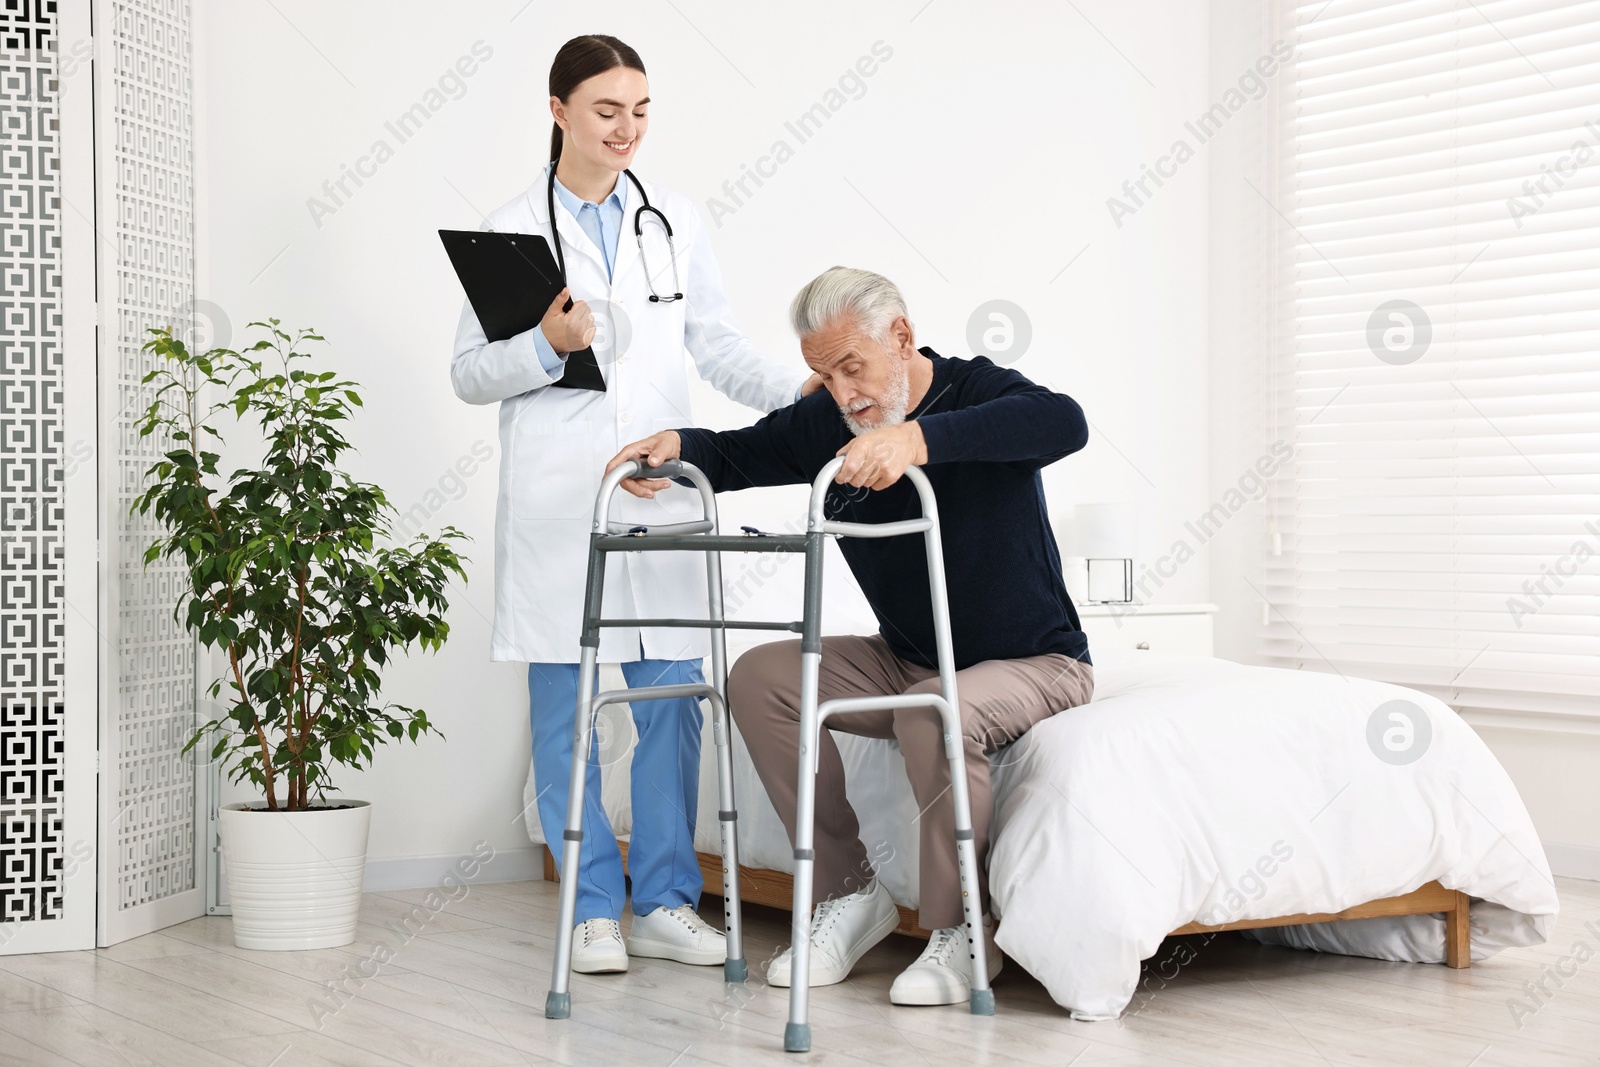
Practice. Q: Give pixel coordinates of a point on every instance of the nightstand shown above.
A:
(1181, 629)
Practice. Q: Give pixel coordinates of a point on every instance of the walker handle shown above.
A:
(668, 468)
(633, 468)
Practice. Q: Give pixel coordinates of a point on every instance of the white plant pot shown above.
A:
(294, 878)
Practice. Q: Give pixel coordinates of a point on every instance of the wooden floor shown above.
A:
(468, 988)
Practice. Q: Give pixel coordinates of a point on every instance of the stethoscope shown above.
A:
(638, 235)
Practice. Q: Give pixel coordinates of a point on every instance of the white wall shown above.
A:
(1240, 289)
(975, 164)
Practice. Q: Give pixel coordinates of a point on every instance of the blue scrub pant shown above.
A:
(665, 786)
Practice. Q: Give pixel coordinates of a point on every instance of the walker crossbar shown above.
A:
(646, 542)
(657, 692)
(701, 536)
(635, 530)
(704, 624)
(876, 529)
(846, 705)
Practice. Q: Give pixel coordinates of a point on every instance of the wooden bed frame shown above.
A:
(776, 889)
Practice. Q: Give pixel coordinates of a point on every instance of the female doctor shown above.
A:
(554, 445)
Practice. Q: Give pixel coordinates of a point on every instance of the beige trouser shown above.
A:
(1000, 700)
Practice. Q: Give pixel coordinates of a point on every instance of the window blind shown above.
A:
(1435, 364)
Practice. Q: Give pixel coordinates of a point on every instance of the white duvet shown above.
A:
(1198, 789)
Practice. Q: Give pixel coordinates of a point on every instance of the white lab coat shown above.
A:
(554, 442)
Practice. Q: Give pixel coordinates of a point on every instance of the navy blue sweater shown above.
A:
(988, 431)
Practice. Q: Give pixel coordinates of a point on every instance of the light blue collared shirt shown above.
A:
(603, 223)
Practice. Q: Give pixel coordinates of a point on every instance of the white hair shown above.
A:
(872, 300)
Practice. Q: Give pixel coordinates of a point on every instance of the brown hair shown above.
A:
(579, 60)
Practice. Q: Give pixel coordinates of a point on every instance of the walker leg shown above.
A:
(558, 1003)
(982, 997)
(797, 1034)
(734, 968)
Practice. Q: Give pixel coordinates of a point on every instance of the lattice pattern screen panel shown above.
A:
(152, 171)
(32, 580)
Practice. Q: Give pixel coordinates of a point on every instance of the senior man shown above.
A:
(982, 433)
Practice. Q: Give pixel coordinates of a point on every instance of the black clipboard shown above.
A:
(510, 279)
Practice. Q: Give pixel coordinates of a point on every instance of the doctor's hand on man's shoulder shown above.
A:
(571, 330)
(657, 448)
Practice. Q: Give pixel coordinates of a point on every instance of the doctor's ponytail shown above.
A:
(579, 60)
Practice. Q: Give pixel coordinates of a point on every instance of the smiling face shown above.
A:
(868, 378)
(603, 120)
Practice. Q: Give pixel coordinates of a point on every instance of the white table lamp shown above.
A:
(1104, 535)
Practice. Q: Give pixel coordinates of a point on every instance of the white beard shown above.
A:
(893, 404)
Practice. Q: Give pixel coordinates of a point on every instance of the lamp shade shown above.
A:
(1104, 530)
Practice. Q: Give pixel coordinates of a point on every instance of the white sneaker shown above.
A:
(943, 973)
(842, 931)
(679, 934)
(597, 947)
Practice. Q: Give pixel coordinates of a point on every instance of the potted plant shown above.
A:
(293, 577)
